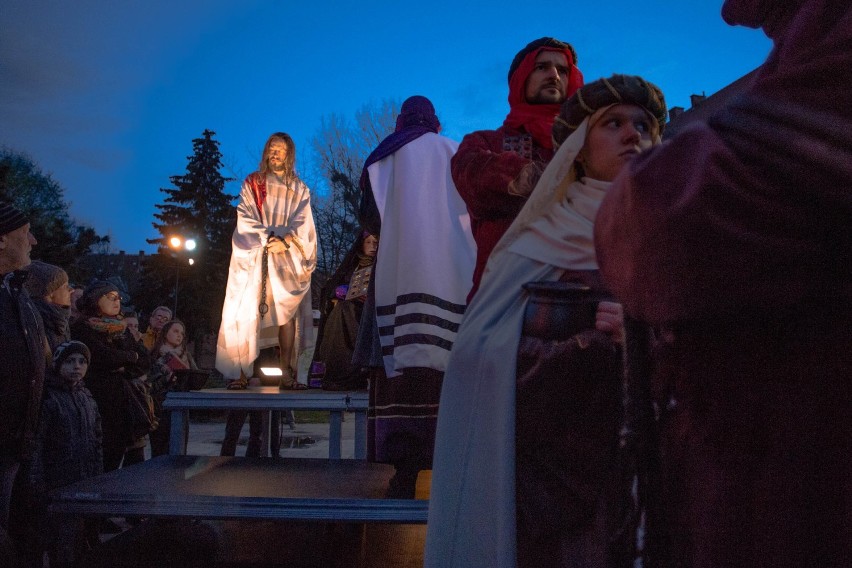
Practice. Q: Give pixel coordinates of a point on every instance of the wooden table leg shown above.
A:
(265, 424)
(335, 430)
(360, 434)
(179, 433)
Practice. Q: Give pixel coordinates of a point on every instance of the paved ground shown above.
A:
(205, 438)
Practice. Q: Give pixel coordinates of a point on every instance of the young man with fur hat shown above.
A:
(24, 353)
(68, 446)
(48, 287)
(735, 238)
(528, 428)
(495, 170)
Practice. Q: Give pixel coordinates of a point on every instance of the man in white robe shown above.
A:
(267, 305)
(419, 287)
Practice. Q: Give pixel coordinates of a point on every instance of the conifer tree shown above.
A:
(196, 207)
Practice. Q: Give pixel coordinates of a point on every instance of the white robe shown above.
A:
(472, 501)
(426, 257)
(286, 210)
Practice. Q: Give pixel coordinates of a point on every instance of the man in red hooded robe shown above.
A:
(495, 170)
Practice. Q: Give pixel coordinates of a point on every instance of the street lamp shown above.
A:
(178, 243)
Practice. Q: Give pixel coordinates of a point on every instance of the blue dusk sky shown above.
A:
(106, 96)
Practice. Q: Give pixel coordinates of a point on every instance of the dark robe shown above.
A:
(734, 239)
(338, 330)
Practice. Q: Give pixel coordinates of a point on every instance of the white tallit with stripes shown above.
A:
(426, 254)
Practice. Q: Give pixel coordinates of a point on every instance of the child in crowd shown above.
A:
(169, 354)
(68, 447)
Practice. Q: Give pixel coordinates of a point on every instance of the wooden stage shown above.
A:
(257, 512)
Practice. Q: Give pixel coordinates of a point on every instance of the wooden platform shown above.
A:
(262, 544)
(213, 487)
(236, 512)
(269, 399)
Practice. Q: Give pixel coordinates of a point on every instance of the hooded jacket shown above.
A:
(69, 436)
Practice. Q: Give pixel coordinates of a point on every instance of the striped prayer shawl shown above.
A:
(426, 255)
(418, 328)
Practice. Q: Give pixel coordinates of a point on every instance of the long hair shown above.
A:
(289, 161)
(161, 337)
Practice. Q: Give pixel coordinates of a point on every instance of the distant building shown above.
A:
(704, 106)
(123, 270)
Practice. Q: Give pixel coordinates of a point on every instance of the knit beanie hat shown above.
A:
(88, 302)
(618, 89)
(11, 218)
(64, 350)
(44, 279)
(533, 45)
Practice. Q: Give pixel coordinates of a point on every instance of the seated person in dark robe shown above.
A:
(341, 305)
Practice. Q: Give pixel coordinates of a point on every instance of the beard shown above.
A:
(278, 168)
(545, 96)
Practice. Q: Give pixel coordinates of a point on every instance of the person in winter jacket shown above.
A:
(68, 447)
(49, 290)
(116, 357)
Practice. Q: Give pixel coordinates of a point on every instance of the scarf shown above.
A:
(563, 235)
(55, 318)
(110, 326)
(178, 353)
(537, 120)
(364, 260)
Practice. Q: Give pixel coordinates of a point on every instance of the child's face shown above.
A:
(174, 336)
(74, 368)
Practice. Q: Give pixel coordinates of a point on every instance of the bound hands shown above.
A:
(278, 245)
(610, 320)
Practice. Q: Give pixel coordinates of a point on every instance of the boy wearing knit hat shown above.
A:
(22, 357)
(68, 446)
(494, 170)
(49, 290)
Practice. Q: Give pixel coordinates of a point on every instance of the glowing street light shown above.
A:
(178, 243)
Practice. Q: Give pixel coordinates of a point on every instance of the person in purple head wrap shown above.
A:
(417, 293)
(416, 118)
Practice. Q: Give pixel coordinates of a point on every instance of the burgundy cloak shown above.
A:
(734, 239)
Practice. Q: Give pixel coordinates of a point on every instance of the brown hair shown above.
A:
(161, 337)
(289, 160)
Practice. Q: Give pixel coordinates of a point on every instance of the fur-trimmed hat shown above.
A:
(44, 279)
(88, 302)
(11, 218)
(535, 44)
(618, 89)
(64, 350)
